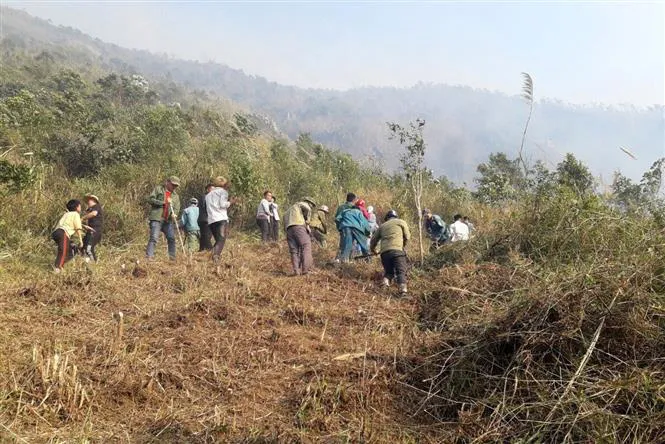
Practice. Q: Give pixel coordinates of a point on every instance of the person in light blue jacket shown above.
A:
(353, 226)
(190, 223)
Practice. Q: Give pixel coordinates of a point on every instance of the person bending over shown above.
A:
(392, 238)
(68, 226)
(298, 235)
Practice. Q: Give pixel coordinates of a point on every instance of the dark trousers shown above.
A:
(219, 233)
(90, 241)
(65, 251)
(300, 247)
(265, 228)
(274, 229)
(340, 247)
(205, 241)
(394, 265)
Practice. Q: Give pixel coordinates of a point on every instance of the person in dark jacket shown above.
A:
(164, 208)
(94, 218)
(354, 227)
(436, 229)
(205, 241)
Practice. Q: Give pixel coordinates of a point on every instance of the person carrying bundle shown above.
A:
(392, 237)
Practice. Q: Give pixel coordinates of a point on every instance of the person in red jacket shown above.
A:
(362, 206)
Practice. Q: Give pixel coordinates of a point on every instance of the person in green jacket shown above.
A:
(351, 200)
(319, 225)
(392, 236)
(164, 208)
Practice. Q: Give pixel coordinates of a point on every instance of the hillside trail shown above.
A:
(249, 354)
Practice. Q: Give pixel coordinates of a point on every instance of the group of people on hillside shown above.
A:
(203, 220)
(440, 233)
(304, 223)
(267, 218)
(355, 225)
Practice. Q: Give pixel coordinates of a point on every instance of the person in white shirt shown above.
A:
(459, 230)
(264, 217)
(217, 204)
(274, 220)
(373, 224)
(468, 223)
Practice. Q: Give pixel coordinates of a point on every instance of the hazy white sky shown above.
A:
(611, 52)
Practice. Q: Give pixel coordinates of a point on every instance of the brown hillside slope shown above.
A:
(249, 355)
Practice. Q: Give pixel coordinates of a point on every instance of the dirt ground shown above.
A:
(243, 353)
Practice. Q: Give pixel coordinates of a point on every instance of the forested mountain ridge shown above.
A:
(464, 124)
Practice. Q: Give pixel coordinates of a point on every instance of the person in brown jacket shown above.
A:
(319, 225)
(298, 235)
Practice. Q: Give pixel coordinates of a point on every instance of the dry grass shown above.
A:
(495, 345)
(246, 355)
(563, 347)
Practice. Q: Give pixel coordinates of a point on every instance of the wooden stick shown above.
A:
(175, 221)
(120, 325)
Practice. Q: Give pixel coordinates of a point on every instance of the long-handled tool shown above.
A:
(177, 229)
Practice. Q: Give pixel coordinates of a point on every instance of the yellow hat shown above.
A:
(93, 197)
